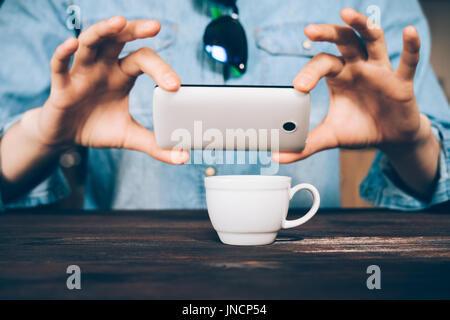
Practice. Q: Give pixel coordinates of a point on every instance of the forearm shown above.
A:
(25, 161)
(417, 164)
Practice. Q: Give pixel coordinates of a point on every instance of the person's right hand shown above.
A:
(88, 103)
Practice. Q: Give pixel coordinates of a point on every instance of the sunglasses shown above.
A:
(224, 39)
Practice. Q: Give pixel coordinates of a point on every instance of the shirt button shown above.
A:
(307, 44)
(210, 171)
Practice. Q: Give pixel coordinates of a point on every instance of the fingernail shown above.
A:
(180, 157)
(171, 80)
(276, 156)
(313, 28)
(150, 25)
(304, 81)
(113, 20)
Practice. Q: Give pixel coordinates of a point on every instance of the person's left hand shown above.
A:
(371, 105)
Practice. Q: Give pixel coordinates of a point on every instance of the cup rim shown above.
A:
(258, 182)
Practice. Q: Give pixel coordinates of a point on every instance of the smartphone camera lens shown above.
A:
(289, 127)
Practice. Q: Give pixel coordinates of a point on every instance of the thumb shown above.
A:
(320, 138)
(141, 139)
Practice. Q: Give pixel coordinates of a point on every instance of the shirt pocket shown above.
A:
(284, 50)
(288, 39)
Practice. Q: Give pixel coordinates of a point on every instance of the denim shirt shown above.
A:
(278, 49)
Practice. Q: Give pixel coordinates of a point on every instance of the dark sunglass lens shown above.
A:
(225, 41)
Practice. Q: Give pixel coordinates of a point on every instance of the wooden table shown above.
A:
(177, 255)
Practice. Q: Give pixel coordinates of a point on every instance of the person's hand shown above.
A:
(371, 105)
(88, 104)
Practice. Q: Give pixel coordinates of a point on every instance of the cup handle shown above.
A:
(286, 224)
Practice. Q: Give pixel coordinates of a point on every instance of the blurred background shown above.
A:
(438, 14)
(354, 164)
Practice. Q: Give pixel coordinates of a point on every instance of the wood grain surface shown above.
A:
(177, 255)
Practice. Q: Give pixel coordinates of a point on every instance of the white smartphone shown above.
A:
(231, 118)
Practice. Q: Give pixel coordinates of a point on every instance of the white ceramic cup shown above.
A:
(250, 210)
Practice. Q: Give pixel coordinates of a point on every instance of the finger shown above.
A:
(344, 37)
(410, 55)
(145, 60)
(319, 139)
(137, 29)
(94, 36)
(322, 65)
(60, 61)
(141, 139)
(371, 32)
